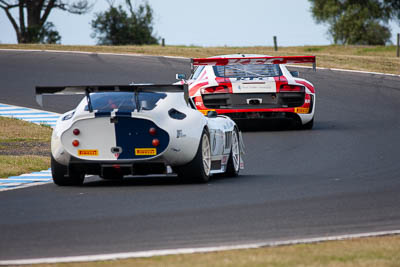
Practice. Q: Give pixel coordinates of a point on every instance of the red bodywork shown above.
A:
(203, 85)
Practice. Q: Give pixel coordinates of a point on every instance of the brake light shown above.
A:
(152, 131)
(291, 88)
(75, 143)
(155, 142)
(215, 90)
(117, 166)
(76, 132)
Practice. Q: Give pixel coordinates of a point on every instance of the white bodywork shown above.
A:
(205, 77)
(98, 134)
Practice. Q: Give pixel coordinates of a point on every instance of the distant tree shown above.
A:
(48, 34)
(363, 22)
(116, 27)
(30, 26)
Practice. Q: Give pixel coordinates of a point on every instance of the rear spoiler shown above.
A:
(254, 60)
(87, 89)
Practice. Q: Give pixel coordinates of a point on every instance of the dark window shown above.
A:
(124, 101)
(197, 72)
(247, 71)
(148, 100)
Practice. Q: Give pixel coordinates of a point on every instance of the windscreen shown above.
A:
(247, 71)
(125, 101)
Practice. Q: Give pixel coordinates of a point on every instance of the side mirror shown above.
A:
(295, 73)
(180, 76)
(212, 114)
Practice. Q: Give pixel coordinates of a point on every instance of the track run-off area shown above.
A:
(341, 178)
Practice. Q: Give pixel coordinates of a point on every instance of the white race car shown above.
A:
(253, 89)
(139, 130)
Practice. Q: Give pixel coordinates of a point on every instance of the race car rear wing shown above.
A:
(254, 60)
(87, 89)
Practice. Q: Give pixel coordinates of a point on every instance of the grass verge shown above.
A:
(24, 147)
(366, 58)
(16, 165)
(377, 251)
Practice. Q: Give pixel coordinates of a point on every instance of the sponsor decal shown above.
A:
(88, 152)
(116, 155)
(145, 151)
(180, 134)
(224, 159)
(302, 110)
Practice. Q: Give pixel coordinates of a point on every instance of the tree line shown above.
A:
(357, 22)
(354, 22)
(115, 26)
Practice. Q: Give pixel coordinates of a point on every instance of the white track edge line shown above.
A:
(25, 175)
(346, 70)
(89, 53)
(177, 57)
(24, 186)
(152, 253)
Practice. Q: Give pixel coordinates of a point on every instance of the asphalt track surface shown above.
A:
(341, 177)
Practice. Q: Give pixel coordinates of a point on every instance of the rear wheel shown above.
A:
(308, 126)
(233, 167)
(60, 177)
(199, 168)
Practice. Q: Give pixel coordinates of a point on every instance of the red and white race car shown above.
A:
(250, 88)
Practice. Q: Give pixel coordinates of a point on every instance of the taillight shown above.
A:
(155, 142)
(76, 132)
(75, 143)
(215, 90)
(291, 88)
(152, 131)
(117, 166)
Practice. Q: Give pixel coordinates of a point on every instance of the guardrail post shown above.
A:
(275, 44)
(398, 45)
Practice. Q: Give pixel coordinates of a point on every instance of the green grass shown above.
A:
(313, 49)
(366, 58)
(376, 50)
(14, 130)
(24, 147)
(376, 252)
(11, 165)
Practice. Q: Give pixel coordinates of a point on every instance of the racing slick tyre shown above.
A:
(198, 170)
(60, 177)
(233, 166)
(308, 126)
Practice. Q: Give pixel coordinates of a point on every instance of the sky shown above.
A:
(206, 23)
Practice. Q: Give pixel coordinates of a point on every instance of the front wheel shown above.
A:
(199, 168)
(233, 166)
(60, 177)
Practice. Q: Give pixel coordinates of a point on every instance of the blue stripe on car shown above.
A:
(134, 133)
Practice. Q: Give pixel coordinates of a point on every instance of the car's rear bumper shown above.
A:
(254, 100)
(268, 120)
(260, 115)
(117, 168)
